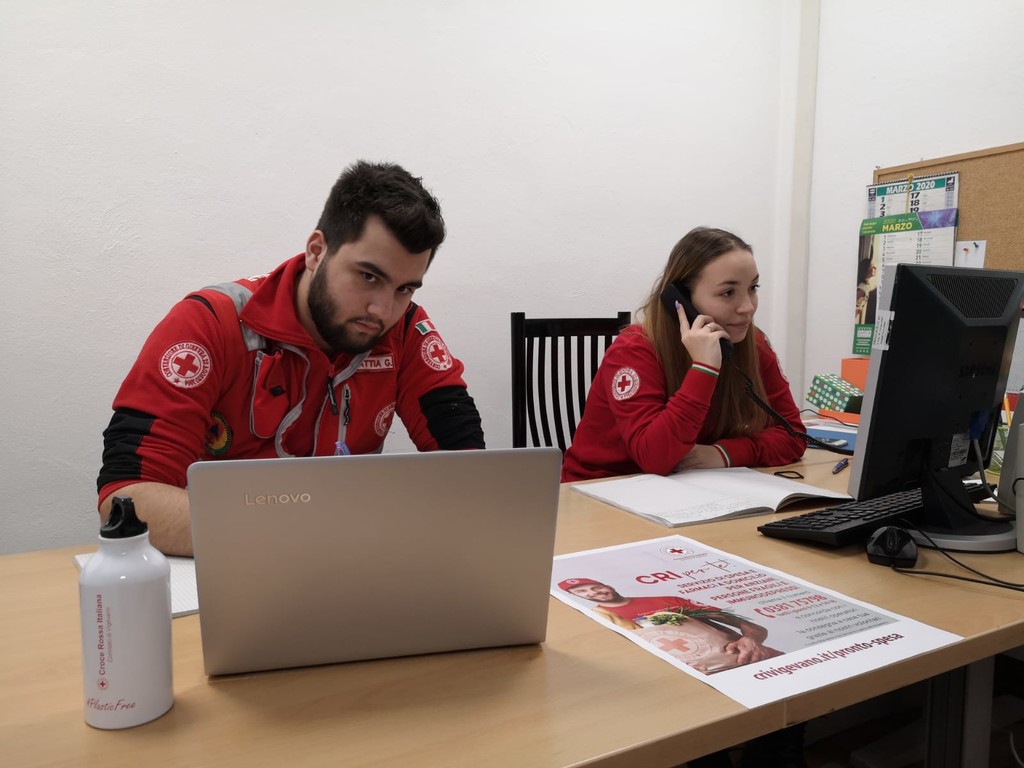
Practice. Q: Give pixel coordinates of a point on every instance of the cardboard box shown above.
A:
(840, 416)
(855, 371)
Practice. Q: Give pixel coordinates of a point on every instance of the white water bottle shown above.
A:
(125, 597)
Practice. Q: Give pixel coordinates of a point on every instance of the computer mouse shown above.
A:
(890, 545)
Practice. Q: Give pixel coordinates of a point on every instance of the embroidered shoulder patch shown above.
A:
(186, 364)
(425, 327)
(435, 353)
(218, 436)
(625, 383)
(382, 422)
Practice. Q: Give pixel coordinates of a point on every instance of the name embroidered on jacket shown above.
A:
(377, 363)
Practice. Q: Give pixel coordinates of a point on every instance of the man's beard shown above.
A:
(614, 597)
(337, 336)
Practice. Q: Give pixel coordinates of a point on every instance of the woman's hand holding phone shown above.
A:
(701, 339)
(705, 340)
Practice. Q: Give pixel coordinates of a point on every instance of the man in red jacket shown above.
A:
(314, 358)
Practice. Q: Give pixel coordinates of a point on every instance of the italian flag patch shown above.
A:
(426, 327)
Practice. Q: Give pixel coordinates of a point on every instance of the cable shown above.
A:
(946, 554)
(1009, 510)
(1013, 751)
(981, 469)
(749, 389)
(968, 508)
(991, 581)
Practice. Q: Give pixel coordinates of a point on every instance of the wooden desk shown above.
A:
(585, 697)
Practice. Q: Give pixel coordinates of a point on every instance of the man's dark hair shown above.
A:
(390, 192)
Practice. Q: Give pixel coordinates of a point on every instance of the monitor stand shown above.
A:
(946, 520)
(985, 537)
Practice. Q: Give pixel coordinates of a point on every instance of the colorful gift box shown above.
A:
(832, 393)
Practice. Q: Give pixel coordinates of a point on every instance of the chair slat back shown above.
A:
(554, 360)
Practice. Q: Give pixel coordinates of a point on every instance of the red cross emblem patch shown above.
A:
(382, 422)
(625, 383)
(435, 353)
(186, 364)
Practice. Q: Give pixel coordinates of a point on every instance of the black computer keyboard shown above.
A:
(854, 521)
(849, 523)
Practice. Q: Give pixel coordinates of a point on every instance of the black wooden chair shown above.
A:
(553, 362)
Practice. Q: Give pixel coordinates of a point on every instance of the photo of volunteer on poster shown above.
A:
(708, 639)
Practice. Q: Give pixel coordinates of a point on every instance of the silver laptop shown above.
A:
(326, 559)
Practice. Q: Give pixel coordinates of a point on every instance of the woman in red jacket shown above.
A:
(663, 399)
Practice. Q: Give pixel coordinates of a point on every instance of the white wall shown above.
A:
(150, 148)
(898, 82)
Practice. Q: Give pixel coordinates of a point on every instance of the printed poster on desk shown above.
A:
(755, 634)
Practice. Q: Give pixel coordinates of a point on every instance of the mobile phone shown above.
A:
(673, 293)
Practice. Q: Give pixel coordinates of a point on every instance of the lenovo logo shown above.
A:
(270, 498)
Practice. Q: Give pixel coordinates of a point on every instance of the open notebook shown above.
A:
(698, 495)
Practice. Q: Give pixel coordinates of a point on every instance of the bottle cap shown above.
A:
(123, 523)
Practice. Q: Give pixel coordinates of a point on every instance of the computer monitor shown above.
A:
(940, 359)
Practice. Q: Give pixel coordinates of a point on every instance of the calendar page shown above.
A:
(927, 237)
(917, 212)
(913, 195)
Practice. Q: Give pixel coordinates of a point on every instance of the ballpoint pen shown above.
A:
(840, 466)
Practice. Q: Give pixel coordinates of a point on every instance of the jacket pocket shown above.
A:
(270, 396)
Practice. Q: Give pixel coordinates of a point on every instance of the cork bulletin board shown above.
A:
(991, 199)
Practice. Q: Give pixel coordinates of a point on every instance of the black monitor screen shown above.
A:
(936, 381)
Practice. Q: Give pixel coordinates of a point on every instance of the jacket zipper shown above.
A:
(341, 447)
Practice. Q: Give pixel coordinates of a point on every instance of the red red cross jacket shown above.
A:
(630, 423)
(230, 373)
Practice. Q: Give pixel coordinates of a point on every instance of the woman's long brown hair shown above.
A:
(732, 412)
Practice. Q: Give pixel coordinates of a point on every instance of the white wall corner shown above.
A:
(790, 267)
